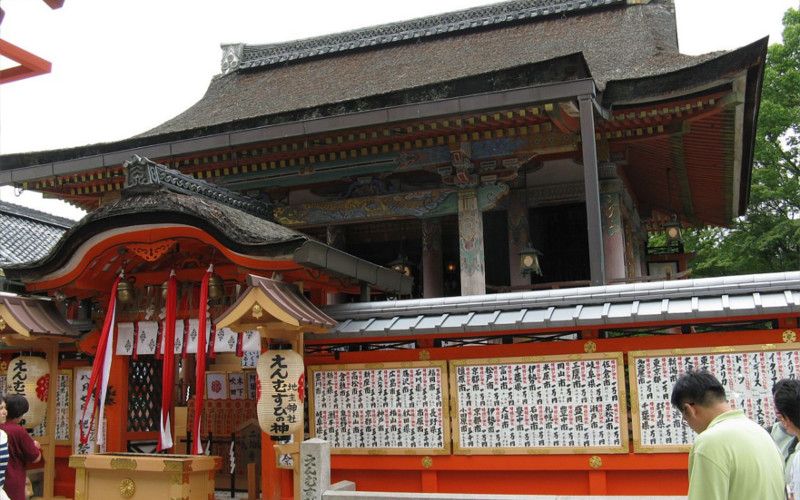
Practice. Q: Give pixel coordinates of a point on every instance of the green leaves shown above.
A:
(767, 237)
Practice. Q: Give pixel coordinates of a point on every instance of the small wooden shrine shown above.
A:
(170, 227)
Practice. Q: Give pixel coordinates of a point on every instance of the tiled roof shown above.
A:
(251, 56)
(618, 42)
(628, 49)
(615, 41)
(154, 194)
(26, 234)
(617, 305)
(36, 316)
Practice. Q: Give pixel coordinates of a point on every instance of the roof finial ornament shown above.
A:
(231, 55)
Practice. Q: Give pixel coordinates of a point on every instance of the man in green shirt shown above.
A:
(732, 458)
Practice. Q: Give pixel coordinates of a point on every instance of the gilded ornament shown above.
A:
(2, 324)
(590, 346)
(77, 462)
(788, 336)
(123, 464)
(257, 311)
(595, 462)
(127, 488)
(424, 355)
(175, 466)
(427, 462)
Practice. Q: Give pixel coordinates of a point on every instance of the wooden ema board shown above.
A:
(539, 405)
(387, 408)
(64, 410)
(746, 372)
(81, 382)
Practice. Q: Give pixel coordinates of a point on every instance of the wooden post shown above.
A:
(49, 449)
(432, 272)
(117, 414)
(252, 484)
(470, 236)
(270, 474)
(592, 189)
(518, 235)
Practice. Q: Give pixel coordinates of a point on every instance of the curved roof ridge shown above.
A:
(242, 56)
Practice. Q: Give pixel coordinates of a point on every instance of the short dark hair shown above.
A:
(787, 399)
(16, 405)
(698, 387)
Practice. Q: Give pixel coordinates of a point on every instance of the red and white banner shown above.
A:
(200, 371)
(168, 373)
(98, 381)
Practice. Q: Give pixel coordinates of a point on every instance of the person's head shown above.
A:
(700, 398)
(787, 404)
(16, 406)
(3, 411)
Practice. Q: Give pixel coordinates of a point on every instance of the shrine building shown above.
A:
(445, 220)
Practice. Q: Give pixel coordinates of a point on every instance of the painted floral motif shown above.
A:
(42, 387)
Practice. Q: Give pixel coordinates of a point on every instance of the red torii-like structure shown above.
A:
(28, 64)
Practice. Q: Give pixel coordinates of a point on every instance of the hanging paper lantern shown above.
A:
(30, 377)
(280, 390)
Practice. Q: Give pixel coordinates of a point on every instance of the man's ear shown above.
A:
(690, 410)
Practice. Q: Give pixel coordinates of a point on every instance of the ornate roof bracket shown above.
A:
(464, 172)
(145, 176)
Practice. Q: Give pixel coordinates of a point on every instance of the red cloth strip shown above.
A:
(168, 372)
(200, 370)
(96, 379)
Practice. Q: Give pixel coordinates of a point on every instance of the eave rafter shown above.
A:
(660, 120)
(256, 163)
(302, 155)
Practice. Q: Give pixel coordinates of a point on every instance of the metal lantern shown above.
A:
(529, 261)
(672, 230)
(125, 291)
(216, 287)
(281, 390)
(30, 377)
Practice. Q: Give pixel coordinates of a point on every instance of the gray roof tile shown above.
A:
(26, 234)
(567, 308)
(618, 42)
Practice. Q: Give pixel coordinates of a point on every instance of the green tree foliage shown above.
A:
(767, 237)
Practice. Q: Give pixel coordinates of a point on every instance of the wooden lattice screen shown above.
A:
(144, 394)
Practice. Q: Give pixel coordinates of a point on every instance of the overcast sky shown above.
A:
(123, 67)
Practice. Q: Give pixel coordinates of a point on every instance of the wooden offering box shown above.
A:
(107, 476)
